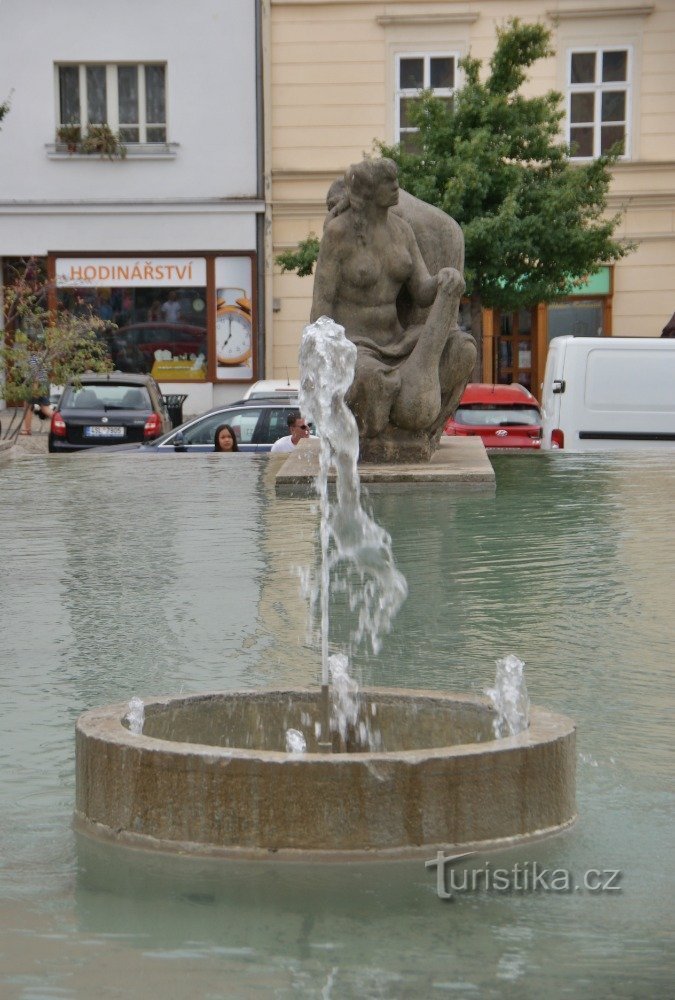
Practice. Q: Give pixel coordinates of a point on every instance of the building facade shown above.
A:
(163, 235)
(342, 74)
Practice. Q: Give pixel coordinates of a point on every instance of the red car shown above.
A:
(504, 416)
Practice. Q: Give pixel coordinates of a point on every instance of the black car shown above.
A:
(111, 409)
(257, 424)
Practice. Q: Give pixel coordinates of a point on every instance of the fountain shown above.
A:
(332, 772)
(338, 771)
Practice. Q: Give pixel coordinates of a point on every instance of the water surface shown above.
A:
(128, 576)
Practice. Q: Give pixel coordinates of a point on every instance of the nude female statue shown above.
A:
(406, 379)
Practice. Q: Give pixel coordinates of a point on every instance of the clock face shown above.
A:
(233, 337)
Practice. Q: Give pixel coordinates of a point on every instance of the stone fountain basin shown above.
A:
(208, 776)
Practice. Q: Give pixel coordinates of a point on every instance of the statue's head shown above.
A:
(365, 179)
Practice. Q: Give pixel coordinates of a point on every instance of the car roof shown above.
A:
(497, 395)
(272, 387)
(288, 401)
(122, 378)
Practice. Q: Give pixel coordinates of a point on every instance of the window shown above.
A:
(130, 98)
(598, 107)
(421, 72)
(578, 318)
(243, 422)
(155, 308)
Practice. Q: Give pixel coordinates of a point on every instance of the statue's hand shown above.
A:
(450, 281)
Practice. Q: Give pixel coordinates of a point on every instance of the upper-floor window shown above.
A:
(128, 97)
(599, 95)
(437, 72)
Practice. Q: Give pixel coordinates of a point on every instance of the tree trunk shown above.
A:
(477, 334)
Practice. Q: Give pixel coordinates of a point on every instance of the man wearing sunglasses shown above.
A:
(299, 429)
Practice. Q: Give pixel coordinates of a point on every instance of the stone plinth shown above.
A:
(458, 461)
(209, 775)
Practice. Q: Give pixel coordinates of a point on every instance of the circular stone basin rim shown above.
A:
(110, 722)
(209, 798)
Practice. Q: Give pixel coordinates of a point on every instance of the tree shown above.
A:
(4, 109)
(493, 159)
(59, 342)
(533, 221)
(303, 259)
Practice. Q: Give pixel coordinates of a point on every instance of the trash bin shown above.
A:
(174, 404)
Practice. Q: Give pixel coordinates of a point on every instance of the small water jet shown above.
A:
(136, 716)
(509, 697)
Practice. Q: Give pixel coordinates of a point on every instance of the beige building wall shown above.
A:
(331, 95)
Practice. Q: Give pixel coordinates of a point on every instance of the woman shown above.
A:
(40, 398)
(225, 439)
(368, 255)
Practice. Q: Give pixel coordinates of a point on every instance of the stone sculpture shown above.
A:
(390, 272)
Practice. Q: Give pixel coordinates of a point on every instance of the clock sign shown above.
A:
(234, 339)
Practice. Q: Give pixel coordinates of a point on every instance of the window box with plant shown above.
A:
(69, 136)
(102, 140)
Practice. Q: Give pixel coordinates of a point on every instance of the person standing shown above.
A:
(39, 380)
(171, 309)
(299, 430)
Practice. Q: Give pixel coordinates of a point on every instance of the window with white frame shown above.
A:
(416, 72)
(128, 97)
(598, 101)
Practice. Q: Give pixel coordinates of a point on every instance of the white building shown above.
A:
(167, 240)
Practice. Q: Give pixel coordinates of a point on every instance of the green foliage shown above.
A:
(101, 139)
(4, 109)
(60, 344)
(70, 135)
(533, 221)
(303, 259)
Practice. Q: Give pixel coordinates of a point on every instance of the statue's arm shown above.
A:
(422, 285)
(325, 279)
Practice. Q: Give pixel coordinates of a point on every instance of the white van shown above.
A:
(609, 393)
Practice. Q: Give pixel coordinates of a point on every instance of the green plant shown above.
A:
(4, 107)
(534, 222)
(303, 259)
(69, 135)
(62, 343)
(101, 139)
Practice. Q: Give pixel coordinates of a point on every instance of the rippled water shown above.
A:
(127, 576)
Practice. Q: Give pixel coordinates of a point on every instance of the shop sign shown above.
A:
(595, 284)
(130, 272)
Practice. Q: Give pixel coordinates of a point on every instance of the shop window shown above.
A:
(157, 325)
(598, 101)
(576, 318)
(128, 97)
(414, 73)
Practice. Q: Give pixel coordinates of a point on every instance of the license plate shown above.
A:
(104, 432)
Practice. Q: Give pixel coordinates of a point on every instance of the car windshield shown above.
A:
(487, 415)
(106, 396)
